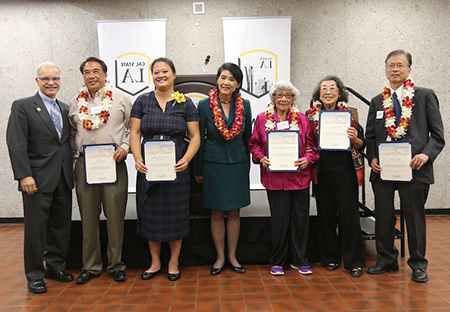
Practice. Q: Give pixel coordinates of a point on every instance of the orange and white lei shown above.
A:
(407, 107)
(219, 122)
(317, 107)
(94, 122)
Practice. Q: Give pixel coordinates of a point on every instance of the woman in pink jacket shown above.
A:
(288, 192)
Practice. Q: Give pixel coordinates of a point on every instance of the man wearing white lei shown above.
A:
(100, 114)
(419, 122)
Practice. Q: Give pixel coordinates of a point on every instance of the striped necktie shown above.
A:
(55, 114)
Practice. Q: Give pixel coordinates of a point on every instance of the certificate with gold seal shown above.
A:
(160, 159)
(333, 130)
(283, 150)
(99, 164)
(394, 158)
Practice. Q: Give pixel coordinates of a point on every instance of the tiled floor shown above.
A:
(255, 290)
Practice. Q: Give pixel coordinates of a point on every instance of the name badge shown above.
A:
(380, 114)
(282, 125)
(95, 110)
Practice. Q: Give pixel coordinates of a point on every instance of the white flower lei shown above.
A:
(83, 111)
(407, 107)
(270, 122)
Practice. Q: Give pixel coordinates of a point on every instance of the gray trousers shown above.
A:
(91, 199)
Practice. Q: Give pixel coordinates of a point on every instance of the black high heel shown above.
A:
(236, 269)
(217, 271)
(149, 275)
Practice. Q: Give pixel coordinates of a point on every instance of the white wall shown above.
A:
(350, 38)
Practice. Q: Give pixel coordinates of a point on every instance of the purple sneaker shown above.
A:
(276, 270)
(305, 270)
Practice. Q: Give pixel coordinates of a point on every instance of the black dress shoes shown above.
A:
(174, 276)
(331, 266)
(149, 275)
(217, 271)
(37, 287)
(85, 277)
(380, 269)
(236, 269)
(119, 275)
(420, 276)
(60, 276)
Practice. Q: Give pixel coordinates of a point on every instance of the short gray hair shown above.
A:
(45, 64)
(283, 85)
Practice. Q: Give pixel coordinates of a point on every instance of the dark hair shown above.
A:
(399, 52)
(94, 59)
(164, 60)
(235, 71)
(343, 93)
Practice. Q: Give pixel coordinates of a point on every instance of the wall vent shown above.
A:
(198, 7)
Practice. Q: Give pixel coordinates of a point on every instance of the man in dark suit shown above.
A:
(392, 116)
(38, 138)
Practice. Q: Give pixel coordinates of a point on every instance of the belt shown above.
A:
(178, 138)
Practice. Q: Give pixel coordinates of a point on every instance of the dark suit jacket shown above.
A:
(215, 148)
(34, 147)
(426, 131)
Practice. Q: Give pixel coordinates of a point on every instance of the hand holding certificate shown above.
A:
(282, 150)
(333, 130)
(99, 164)
(160, 159)
(394, 159)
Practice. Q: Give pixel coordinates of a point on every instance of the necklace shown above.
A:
(270, 117)
(223, 102)
(407, 107)
(89, 122)
(317, 107)
(219, 122)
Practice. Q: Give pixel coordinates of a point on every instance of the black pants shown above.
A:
(337, 205)
(47, 219)
(289, 224)
(412, 201)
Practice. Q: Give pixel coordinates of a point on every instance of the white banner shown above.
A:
(128, 48)
(261, 46)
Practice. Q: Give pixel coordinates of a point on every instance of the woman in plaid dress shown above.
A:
(163, 208)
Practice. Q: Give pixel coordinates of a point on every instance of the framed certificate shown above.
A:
(333, 130)
(283, 150)
(160, 159)
(99, 164)
(394, 159)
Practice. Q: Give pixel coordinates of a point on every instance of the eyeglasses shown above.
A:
(399, 66)
(47, 80)
(94, 72)
(280, 96)
(331, 90)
